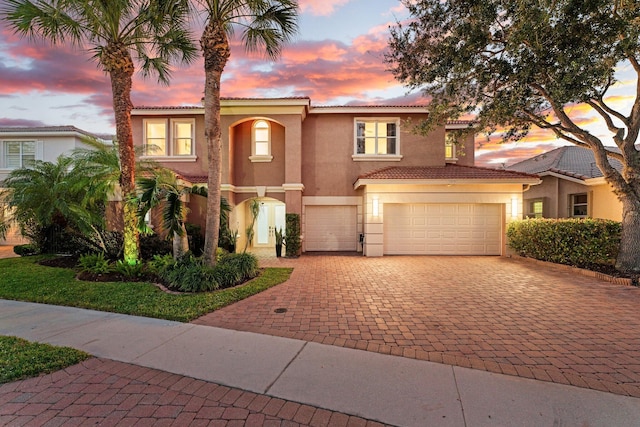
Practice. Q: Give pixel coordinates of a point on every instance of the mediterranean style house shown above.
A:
(22, 146)
(572, 186)
(358, 176)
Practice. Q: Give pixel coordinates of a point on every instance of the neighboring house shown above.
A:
(357, 176)
(21, 147)
(572, 186)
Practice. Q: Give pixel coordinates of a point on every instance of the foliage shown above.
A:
(94, 263)
(154, 32)
(578, 242)
(21, 359)
(50, 202)
(191, 274)
(266, 25)
(516, 64)
(254, 210)
(130, 271)
(25, 280)
(196, 238)
(293, 234)
(152, 245)
(279, 236)
(25, 250)
(159, 263)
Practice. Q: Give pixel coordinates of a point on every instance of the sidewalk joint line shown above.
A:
(455, 381)
(266, 391)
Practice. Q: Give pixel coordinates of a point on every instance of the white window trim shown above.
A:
(262, 158)
(169, 140)
(396, 157)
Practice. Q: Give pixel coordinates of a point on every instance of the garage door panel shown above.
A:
(331, 228)
(443, 229)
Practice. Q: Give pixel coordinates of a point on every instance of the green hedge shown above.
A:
(578, 242)
(292, 234)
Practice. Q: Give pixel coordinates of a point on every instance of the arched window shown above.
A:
(261, 141)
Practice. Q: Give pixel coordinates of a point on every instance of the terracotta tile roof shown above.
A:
(571, 161)
(193, 179)
(447, 172)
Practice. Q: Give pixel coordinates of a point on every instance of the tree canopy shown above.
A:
(514, 64)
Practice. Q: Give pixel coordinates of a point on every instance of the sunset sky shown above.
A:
(336, 59)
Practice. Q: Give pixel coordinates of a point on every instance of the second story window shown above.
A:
(449, 148)
(169, 138)
(19, 154)
(377, 139)
(261, 141)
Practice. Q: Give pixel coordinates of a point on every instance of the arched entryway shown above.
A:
(271, 217)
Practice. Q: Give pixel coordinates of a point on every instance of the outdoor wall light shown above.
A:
(514, 207)
(376, 207)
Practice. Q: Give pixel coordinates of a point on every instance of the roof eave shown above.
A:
(361, 182)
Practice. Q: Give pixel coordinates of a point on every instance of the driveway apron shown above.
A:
(496, 314)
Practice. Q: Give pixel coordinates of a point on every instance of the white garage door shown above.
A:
(442, 229)
(330, 228)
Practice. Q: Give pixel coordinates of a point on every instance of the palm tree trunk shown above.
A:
(120, 66)
(215, 46)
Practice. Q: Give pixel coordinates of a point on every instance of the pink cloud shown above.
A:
(320, 8)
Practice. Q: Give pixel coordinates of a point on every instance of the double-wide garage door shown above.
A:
(330, 228)
(442, 229)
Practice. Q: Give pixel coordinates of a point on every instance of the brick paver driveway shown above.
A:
(498, 314)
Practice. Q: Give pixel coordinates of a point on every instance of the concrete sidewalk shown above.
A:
(391, 390)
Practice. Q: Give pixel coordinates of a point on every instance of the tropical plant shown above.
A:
(267, 25)
(114, 31)
(94, 263)
(254, 209)
(50, 198)
(162, 188)
(517, 64)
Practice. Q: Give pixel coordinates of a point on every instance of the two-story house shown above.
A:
(358, 176)
(22, 146)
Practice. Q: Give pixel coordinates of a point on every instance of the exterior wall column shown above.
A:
(292, 185)
(373, 224)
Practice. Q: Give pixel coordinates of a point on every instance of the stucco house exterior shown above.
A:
(21, 146)
(572, 186)
(358, 176)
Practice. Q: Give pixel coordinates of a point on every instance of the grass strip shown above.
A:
(23, 279)
(20, 359)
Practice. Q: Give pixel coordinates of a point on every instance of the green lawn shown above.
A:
(23, 279)
(21, 359)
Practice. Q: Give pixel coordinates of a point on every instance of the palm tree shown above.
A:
(115, 30)
(161, 188)
(267, 25)
(51, 196)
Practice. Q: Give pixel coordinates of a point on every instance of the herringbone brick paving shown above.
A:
(491, 313)
(108, 393)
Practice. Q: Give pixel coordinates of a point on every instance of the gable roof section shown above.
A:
(448, 174)
(570, 161)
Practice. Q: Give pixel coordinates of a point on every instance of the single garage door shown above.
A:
(330, 228)
(442, 229)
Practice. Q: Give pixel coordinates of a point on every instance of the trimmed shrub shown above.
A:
(578, 242)
(189, 274)
(25, 250)
(293, 235)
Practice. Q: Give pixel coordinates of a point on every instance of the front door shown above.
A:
(270, 218)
